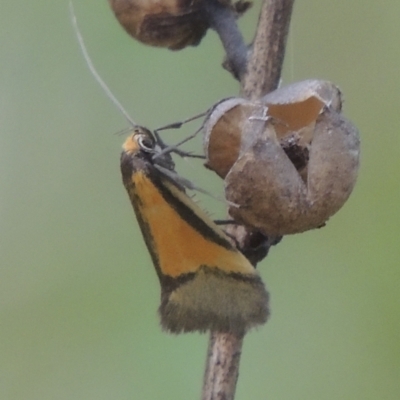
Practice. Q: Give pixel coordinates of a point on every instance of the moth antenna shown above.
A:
(93, 69)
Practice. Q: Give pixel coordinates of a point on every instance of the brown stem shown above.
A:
(263, 75)
(265, 64)
(222, 368)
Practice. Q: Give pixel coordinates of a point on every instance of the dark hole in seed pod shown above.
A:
(298, 155)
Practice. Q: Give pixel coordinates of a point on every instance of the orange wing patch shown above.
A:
(182, 249)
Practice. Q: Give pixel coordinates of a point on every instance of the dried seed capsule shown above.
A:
(271, 195)
(172, 23)
(223, 133)
(293, 161)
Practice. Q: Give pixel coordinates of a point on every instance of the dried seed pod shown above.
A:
(296, 106)
(271, 195)
(293, 161)
(224, 128)
(223, 133)
(170, 23)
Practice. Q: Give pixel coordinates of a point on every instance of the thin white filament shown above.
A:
(93, 69)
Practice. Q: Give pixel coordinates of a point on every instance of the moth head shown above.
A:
(140, 141)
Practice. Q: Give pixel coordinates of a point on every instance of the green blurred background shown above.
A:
(78, 293)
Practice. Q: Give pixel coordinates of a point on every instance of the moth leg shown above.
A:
(175, 148)
(174, 125)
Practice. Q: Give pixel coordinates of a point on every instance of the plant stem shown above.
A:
(223, 20)
(265, 65)
(263, 74)
(222, 368)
